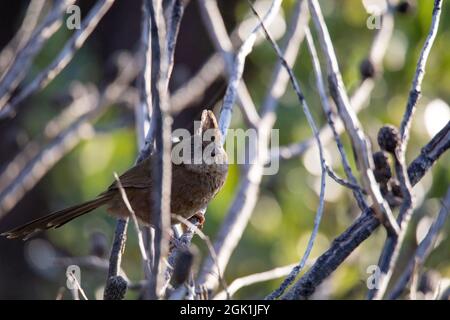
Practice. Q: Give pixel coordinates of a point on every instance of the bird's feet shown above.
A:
(198, 220)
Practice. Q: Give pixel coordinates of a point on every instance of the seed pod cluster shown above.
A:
(406, 7)
(395, 188)
(382, 167)
(367, 69)
(389, 138)
(389, 141)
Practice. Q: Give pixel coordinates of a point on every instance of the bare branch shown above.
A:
(416, 87)
(212, 69)
(238, 68)
(359, 98)
(212, 251)
(249, 280)
(216, 28)
(145, 135)
(362, 227)
(75, 281)
(294, 38)
(135, 223)
(296, 270)
(244, 202)
(162, 165)
(194, 89)
(64, 57)
(360, 144)
(34, 11)
(176, 14)
(391, 250)
(424, 249)
(429, 154)
(88, 262)
(83, 97)
(59, 146)
(343, 182)
(16, 72)
(331, 122)
(151, 76)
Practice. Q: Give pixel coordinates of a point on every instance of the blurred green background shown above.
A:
(283, 218)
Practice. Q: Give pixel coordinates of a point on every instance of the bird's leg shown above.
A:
(198, 219)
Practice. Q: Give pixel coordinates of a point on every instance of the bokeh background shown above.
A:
(283, 218)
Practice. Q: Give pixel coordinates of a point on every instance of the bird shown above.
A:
(194, 185)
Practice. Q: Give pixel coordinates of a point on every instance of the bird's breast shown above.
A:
(193, 190)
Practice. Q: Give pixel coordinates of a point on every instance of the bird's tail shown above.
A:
(56, 219)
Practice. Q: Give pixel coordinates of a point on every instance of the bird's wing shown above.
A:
(138, 176)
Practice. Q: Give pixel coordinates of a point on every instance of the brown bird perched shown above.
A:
(195, 181)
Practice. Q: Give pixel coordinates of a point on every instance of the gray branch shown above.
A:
(64, 57)
(361, 145)
(244, 202)
(424, 249)
(364, 225)
(18, 68)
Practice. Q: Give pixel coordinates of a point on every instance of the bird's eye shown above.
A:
(213, 138)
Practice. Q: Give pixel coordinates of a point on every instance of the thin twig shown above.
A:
(115, 261)
(238, 68)
(115, 288)
(294, 38)
(249, 280)
(391, 249)
(424, 249)
(75, 281)
(364, 225)
(296, 270)
(194, 89)
(211, 70)
(429, 154)
(330, 116)
(143, 112)
(343, 182)
(244, 202)
(216, 28)
(176, 14)
(360, 96)
(361, 146)
(414, 281)
(416, 87)
(135, 223)
(88, 262)
(210, 246)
